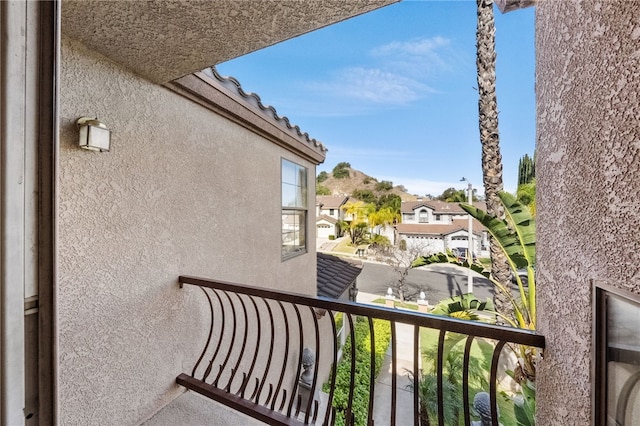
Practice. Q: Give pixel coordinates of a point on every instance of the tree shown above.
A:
(365, 195)
(381, 218)
(452, 195)
(527, 195)
(322, 176)
(356, 226)
(341, 170)
(401, 259)
(392, 201)
(385, 185)
(322, 190)
(526, 169)
(489, 136)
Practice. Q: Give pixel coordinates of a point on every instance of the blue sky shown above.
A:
(392, 92)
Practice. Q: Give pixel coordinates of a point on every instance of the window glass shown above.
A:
(294, 208)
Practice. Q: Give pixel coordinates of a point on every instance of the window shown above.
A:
(424, 216)
(294, 209)
(617, 356)
(331, 212)
(438, 217)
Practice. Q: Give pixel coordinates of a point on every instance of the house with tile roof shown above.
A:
(328, 213)
(337, 277)
(434, 226)
(330, 210)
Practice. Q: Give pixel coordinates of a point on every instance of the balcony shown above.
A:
(275, 356)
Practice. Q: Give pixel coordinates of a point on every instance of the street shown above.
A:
(438, 282)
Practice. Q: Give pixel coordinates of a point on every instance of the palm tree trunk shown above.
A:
(489, 138)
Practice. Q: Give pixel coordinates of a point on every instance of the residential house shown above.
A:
(329, 213)
(435, 226)
(94, 327)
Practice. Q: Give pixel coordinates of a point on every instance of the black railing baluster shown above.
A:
(440, 374)
(236, 332)
(234, 370)
(372, 376)
(465, 380)
(206, 346)
(294, 391)
(416, 375)
(493, 383)
(268, 364)
(233, 339)
(286, 353)
(312, 391)
(333, 365)
(255, 353)
(394, 379)
(217, 346)
(352, 377)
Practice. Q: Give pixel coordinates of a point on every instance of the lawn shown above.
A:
(480, 364)
(345, 246)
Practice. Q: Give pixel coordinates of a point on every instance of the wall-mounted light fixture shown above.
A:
(94, 135)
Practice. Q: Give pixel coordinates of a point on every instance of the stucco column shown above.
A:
(588, 151)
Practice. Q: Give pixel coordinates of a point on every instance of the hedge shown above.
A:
(360, 405)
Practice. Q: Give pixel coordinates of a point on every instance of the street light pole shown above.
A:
(469, 238)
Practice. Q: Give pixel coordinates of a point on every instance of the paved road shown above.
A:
(437, 281)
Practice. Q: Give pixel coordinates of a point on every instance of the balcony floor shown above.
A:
(192, 409)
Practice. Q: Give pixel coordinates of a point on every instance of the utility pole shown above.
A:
(469, 238)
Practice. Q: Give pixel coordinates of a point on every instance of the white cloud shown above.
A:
(417, 47)
(372, 85)
(419, 58)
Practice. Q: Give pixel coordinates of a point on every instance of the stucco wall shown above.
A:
(183, 191)
(588, 156)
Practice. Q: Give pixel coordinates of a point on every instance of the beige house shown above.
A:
(94, 328)
(329, 213)
(436, 226)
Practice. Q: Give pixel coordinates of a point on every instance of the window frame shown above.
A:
(299, 209)
(601, 352)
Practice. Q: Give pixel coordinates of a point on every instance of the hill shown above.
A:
(356, 180)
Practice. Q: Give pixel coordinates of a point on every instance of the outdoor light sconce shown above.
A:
(94, 135)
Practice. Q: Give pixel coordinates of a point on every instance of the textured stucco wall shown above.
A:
(183, 191)
(588, 156)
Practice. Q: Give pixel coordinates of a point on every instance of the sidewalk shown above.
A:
(383, 386)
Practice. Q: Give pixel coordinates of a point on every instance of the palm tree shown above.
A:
(489, 138)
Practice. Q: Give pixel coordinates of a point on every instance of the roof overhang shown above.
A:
(167, 39)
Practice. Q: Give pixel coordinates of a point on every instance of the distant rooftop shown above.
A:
(335, 275)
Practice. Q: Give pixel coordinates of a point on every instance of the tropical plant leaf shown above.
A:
(523, 224)
(499, 229)
(449, 257)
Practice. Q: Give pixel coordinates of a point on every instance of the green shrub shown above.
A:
(360, 405)
(332, 237)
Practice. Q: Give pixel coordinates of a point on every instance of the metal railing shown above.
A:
(255, 353)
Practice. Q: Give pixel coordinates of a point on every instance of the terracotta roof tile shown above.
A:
(253, 99)
(331, 201)
(439, 207)
(327, 218)
(438, 228)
